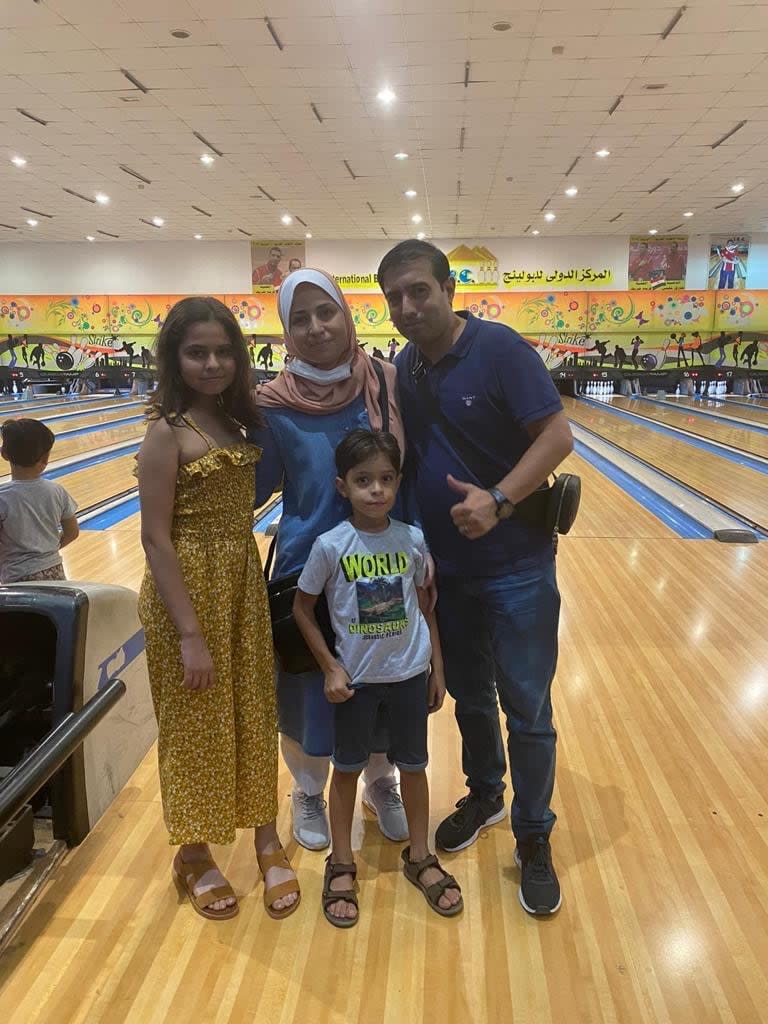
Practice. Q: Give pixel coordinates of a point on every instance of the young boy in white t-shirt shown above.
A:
(373, 570)
(32, 509)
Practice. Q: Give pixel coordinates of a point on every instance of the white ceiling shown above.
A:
(527, 115)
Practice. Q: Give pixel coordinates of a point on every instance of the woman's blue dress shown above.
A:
(298, 450)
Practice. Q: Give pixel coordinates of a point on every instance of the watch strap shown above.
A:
(503, 505)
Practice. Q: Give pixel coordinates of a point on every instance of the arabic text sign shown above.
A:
(572, 276)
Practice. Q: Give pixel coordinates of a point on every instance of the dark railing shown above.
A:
(51, 753)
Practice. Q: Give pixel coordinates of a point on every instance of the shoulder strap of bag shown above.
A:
(378, 369)
(468, 452)
(270, 558)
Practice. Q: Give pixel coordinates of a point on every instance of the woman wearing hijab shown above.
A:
(328, 388)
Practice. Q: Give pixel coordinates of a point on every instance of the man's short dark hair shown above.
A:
(360, 445)
(26, 442)
(409, 252)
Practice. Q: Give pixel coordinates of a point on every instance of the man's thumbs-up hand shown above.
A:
(475, 515)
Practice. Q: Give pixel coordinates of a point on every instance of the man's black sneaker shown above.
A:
(539, 888)
(473, 813)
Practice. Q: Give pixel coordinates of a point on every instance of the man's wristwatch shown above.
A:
(504, 507)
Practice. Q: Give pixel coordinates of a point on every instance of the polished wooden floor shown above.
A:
(661, 843)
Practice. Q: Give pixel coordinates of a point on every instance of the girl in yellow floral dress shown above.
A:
(203, 605)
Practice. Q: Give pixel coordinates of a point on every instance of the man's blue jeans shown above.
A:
(499, 636)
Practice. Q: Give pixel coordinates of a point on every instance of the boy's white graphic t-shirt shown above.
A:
(370, 582)
(30, 515)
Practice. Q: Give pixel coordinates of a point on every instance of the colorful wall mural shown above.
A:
(73, 332)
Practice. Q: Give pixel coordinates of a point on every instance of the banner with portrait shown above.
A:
(271, 262)
(728, 256)
(658, 261)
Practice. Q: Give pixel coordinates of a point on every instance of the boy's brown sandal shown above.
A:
(333, 895)
(432, 893)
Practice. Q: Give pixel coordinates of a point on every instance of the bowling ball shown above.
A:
(64, 361)
(648, 361)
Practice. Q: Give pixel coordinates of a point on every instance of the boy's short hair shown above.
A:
(26, 442)
(360, 445)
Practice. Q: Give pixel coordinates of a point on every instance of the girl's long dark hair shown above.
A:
(172, 397)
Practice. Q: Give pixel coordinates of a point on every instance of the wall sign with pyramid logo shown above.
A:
(476, 268)
(473, 267)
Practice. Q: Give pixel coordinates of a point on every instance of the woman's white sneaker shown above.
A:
(310, 821)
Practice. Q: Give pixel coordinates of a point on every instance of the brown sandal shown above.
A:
(432, 893)
(187, 874)
(332, 895)
(278, 859)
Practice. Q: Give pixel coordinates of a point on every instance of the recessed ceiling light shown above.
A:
(411, 193)
(386, 96)
(535, 231)
(738, 187)
(501, 26)
(653, 231)
(401, 156)
(603, 153)
(287, 219)
(688, 213)
(180, 33)
(90, 238)
(421, 236)
(417, 218)
(32, 223)
(158, 222)
(572, 191)
(549, 215)
(198, 238)
(101, 198)
(206, 159)
(19, 161)
(308, 234)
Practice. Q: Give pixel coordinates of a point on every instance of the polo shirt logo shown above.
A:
(468, 399)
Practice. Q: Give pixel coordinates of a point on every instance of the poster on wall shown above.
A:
(728, 255)
(271, 262)
(658, 262)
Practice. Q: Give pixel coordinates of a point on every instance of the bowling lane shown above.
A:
(723, 409)
(750, 402)
(701, 426)
(89, 444)
(82, 443)
(98, 483)
(115, 553)
(85, 419)
(48, 403)
(606, 511)
(738, 488)
(42, 409)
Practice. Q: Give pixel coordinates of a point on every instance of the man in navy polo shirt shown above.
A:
(485, 428)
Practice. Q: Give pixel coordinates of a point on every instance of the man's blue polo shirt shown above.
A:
(489, 387)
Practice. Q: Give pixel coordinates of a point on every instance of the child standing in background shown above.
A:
(32, 510)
